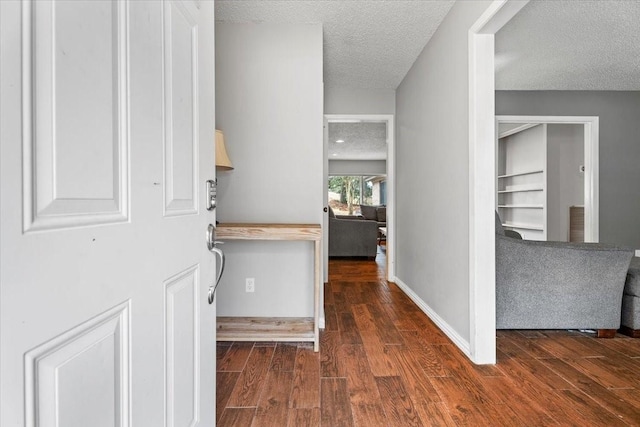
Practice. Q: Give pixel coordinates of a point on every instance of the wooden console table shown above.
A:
(281, 328)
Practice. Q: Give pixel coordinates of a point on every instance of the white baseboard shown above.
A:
(460, 342)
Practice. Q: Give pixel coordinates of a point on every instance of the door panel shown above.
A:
(182, 338)
(75, 131)
(181, 122)
(86, 370)
(104, 319)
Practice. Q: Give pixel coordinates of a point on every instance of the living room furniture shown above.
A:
(352, 237)
(382, 232)
(631, 301)
(268, 328)
(558, 285)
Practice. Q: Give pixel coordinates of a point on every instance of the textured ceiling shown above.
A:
(570, 45)
(362, 141)
(367, 44)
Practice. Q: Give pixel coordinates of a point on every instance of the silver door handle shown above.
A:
(211, 245)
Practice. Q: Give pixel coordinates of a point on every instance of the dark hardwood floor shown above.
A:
(382, 362)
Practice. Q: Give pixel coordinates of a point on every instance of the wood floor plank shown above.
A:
(608, 373)
(362, 317)
(235, 357)
(590, 411)
(435, 414)
(305, 417)
(335, 409)
(348, 329)
(397, 403)
(628, 346)
(329, 354)
(379, 360)
(360, 379)
(531, 347)
(273, 406)
(431, 364)
(545, 375)
(595, 391)
(368, 414)
(305, 392)
(236, 417)
(543, 398)
(330, 318)
(225, 382)
(529, 412)
(250, 382)
(388, 333)
(413, 376)
(284, 357)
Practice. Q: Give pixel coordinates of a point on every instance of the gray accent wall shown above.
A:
(432, 178)
(619, 114)
(269, 104)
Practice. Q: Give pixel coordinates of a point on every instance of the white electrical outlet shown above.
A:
(638, 252)
(250, 284)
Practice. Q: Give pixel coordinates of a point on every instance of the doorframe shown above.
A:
(591, 162)
(391, 193)
(482, 163)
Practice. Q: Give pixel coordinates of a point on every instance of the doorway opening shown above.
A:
(547, 176)
(360, 157)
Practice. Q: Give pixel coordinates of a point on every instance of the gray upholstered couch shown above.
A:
(558, 285)
(352, 237)
(631, 301)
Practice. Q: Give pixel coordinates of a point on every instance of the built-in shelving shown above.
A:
(521, 180)
(511, 175)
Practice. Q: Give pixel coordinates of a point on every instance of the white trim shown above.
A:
(449, 331)
(591, 163)
(515, 130)
(482, 303)
(391, 193)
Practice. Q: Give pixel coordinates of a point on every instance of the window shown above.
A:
(347, 193)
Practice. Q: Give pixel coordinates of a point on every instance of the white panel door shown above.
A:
(106, 139)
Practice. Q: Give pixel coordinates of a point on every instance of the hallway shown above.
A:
(382, 362)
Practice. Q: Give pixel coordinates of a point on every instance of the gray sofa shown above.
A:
(631, 301)
(352, 237)
(558, 285)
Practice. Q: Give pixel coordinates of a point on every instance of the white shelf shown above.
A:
(523, 226)
(521, 206)
(519, 174)
(520, 190)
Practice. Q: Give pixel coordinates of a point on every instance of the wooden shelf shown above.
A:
(236, 231)
(265, 329)
(275, 328)
(519, 174)
(523, 206)
(523, 226)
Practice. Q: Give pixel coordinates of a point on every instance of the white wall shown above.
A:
(345, 100)
(565, 181)
(432, 146)
(357, 167)
(269, 104)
